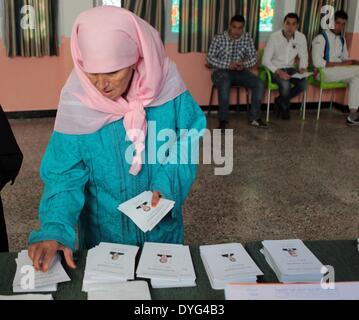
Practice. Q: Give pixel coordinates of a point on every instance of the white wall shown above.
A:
(353, 11)
(68, 12)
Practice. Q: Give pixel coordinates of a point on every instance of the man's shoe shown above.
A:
(259, 124)
(353, 120)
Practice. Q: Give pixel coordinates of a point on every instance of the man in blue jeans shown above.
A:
(231, 54)
(280, 54)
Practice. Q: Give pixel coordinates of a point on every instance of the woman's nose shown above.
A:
(102, 83)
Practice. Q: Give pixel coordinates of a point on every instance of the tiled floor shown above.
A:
(295, 180)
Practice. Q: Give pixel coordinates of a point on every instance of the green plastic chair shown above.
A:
(266, 76)
(325, 86)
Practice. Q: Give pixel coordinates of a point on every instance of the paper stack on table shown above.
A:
(140, 211)
(44, 282)
(109, 263)
(302, 75)
(167, 265)
(131, 290)
(226, 263)
(293, 291)
(21, 297)
(292, 261)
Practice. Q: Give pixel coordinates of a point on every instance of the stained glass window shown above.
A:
(266, 15)
(175, 16)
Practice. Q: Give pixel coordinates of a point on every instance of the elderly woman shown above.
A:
(122, 80)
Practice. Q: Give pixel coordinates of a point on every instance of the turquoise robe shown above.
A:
(86, 178)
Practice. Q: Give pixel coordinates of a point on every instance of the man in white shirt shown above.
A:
(330, 52)
(280, 54)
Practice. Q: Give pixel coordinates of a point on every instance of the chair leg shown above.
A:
(331, 101)
(268, 105)
(211, 100)
(238, 99)
(304, 105)
(248, 100)
(320, 103)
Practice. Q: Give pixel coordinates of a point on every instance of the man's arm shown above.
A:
(303, 55)
(268, 55)
(251, 54)
(212, 57)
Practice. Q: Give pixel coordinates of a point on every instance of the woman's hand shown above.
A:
(156, 197)
(42, 254)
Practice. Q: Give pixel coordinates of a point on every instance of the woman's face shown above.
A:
(112, 85)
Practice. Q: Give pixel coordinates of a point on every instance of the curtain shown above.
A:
(201, 20)
(31, 28)
(152, 11)
(309, 12)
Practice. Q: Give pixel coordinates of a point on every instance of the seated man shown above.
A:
(280, 54)
(331, 53)
(231, 54)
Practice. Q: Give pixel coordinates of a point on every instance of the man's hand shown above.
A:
(156, 197)
(233, 66)
(240, 66)
(283, 75)
(42, 254)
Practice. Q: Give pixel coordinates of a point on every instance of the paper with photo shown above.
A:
(140, 211)
(230, 261)
(292, 257)
(44, 282)
(161, 261)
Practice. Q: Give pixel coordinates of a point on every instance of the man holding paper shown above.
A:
(280, 54)
(121, 82)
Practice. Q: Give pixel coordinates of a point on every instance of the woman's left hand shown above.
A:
(155, 199)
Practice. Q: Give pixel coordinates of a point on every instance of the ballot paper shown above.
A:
(43, 282)
(226, 263)
(140, 211)
(109, 263)
(27, 297)
(302, 75)
(292, 261)
(167, 265)
(315, 291)
(132, 290)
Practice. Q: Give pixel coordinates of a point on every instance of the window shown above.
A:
(116, 3)
(266, 15)
(175, 16)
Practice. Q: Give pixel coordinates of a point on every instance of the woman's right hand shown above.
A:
(42, 254)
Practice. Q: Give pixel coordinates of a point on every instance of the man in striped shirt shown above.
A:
(231, 55)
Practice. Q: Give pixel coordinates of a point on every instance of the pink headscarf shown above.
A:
(106, 39)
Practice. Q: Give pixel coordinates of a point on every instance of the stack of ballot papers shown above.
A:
(167, 265)
(131, 290)
(140, 211)
(109, 263)
(21, 297)
(293, 291)
(292, 261)
(43, 282)
(226, 263)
